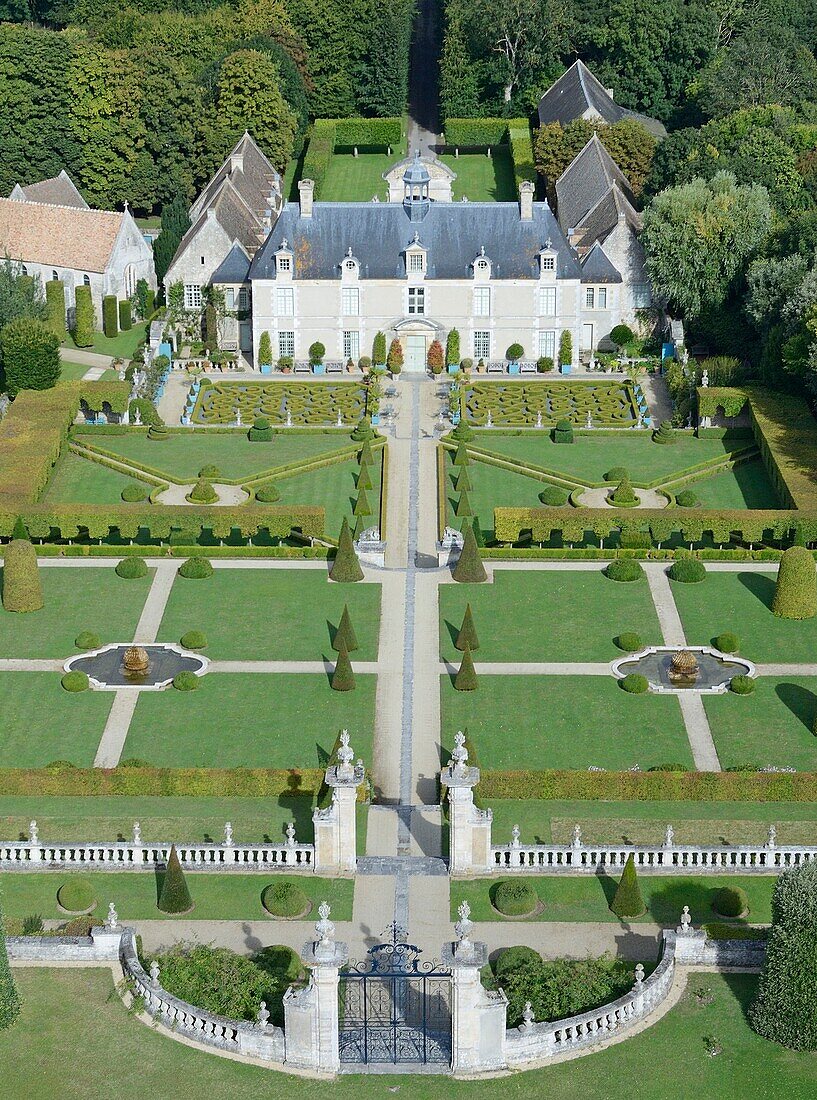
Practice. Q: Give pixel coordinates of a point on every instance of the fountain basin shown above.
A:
(106, 672)
(714, 675)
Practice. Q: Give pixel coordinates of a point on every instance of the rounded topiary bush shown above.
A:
(159, 433)
(22, 590)
(623, 496)
(511, 958)
(196, 569)
(727, 642)
(185, 681)
(202, 493)
(135, 492)
(75, 681)
(285, 899)
(131, 568)
(553, 496)
(193, 639)
(687, 570)
(87, 640)
(665, 433)
(795, 594)
(209, 471)
(563, 432)
(261, 431)
(268, 493)
(730, 901)
(634, 684)
(515, 898)
(742, 685)
(624, 569)
(687, 499)
(616, 473)
(76, 895)
(629, 641)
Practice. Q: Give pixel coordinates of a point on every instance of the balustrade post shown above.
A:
(469, 828)
(336, 826)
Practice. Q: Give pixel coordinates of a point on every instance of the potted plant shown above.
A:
(436, 357)
(394, 360)
(481, 367)
(285, 364)
(379, 350)
(513, 355)
(544, 364)
(316, 355)
(265, 353)
(565, 352)
(364, 363)
(466, 366)
(452, 351)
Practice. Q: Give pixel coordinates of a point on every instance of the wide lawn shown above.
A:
(122, 346)
(90, 598)
(770, 728)
(741, 603)
(548, 615)
(78, 480)
(335, 488)
(535, 722)
(746, 486)
(182, 455)
(481, 178)
(358, 178)
(545, 821)
(73, 1017)
(588, 897)
(252, 720)
(272, 614)
(215, 896)
(42, 722)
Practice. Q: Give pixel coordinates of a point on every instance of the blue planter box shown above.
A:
(564, 368)
(266, 368)
(318, 368)
(452, 368)
(375, 419)
(513, 368)
(455, 418)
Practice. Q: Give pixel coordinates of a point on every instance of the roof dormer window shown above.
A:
(482, 266)
(416, 258)
(350, 268)
(284, 262)
(547, 261)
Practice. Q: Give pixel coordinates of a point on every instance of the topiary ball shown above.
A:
(563, 432)
(185, 681)
(285, 899)
(193, 639)
(634, 684)
(730, 901)
(202, 493)
(209, 471)
(196, 569)
(135, 492)
(76, 895)
(268, 493)
(131, 568)
(742, 685)
(727, 642)
(624, 569)
(616, 473)
(687, 570)
(261, 431)
(687, 499)
(515, 898)
(75, 681)
(553, 496)
(87, 640)
(510, 958)
(629, 641)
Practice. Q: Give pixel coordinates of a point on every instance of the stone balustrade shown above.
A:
(581, 858)
(532, 1042)
(126, 855)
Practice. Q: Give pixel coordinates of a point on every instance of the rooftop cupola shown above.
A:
(416, 181)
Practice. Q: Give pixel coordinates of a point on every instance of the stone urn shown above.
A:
(136, 660)
(684, 669)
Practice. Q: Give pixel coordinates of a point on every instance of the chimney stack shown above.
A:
(526, 190)
(236, 162)
(306, 191)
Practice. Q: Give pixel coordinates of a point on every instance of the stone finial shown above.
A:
(685, 927)
(489, 422)
(290, 831)
(589, 421)
(112, 919)
(325, 928)
(515, 832)
(528, 1018)
(639, 975)
(32, 832)
(705, 379)
(459, 754)
(539, 419)
(339, 421)
(577, 836)
(346, 755)
(289, 419)
(138, 417)
(463, 929)
(669, 837)
(238, 417)
(154, 974)
(228, 841)
(137, 833)
(771, 840)
(263, 1015)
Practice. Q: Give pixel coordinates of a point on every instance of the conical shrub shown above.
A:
(467, 637)
(627, 901)
(464, 505)
(461, 458)
(362, 506)
(346, 567)
(623, 494)
(469, 569)
(345, 634)
(463, 480)
(366, 458)
(174, 896)
(202, 492)
(343, 678)
(795, 594)
(19, 531)
(466, 678)
(9, 997)
(22, 590)
(364, 478)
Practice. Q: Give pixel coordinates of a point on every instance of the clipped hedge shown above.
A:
(196, 569)
(515, 897)
(285, 900)
(110, 316)
(688, 571)
(131, 568)
(629, 641)
(624, 569)
(634, 684)
(727, 642)
(795, 593)
(185, 681)
(193, 639)
(75, 681)
(22, 589)
(125, 316)
(368, 131)
(742, 685)
(476, 133)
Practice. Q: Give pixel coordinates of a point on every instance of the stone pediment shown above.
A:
(441, 178)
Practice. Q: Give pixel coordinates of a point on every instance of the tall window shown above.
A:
(482, 301)
(601, 298)
(55, 277)
(229, 298)
(351, 345)
(590, 297)
(86, 280)
(286, 344)
(482, 345)
(416, 262)
(547, 344)
(416, 299)
(285, 301)
(350, 301)
(243, 299)
(641, 296)
(284, 263)
(192, 296)
(547, 301)
(130, 281)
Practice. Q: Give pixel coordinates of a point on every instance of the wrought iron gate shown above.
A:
(395, 1007)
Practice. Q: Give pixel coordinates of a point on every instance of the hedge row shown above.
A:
(478, 133)
(208, 429)
(519, 138)
(319, 153)
(384, 489)
(592, 553)
(650, 786)
(194, 782)
(329, 132)
(308, 553)
(32, 435)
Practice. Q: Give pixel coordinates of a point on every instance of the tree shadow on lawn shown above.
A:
(666, 903)
(453, 631)
(742, 990)
(761, 586)
(800, 701)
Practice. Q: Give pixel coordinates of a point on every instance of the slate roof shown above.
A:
(605, 216)
(58, 236)
(234, 267)
(586, 180)
(59, 190)
(578, 91)
(379, 233)
(597, 267)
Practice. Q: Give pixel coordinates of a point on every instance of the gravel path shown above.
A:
(597, 498)
(228, 495)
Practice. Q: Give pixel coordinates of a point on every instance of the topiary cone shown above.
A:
(464, 506)
(362, 506)
(466, 678)
(345, 634)
(627, 901)
(19, 531)
(467, 637)
(463, 481)
(22, 590)
(469, 569)
(461, 458)
(366, 457)
(343, 678)
(346, 567)
(174, 896)
(364, 478)
(9, 997)
(795, 594)
(623, 493)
